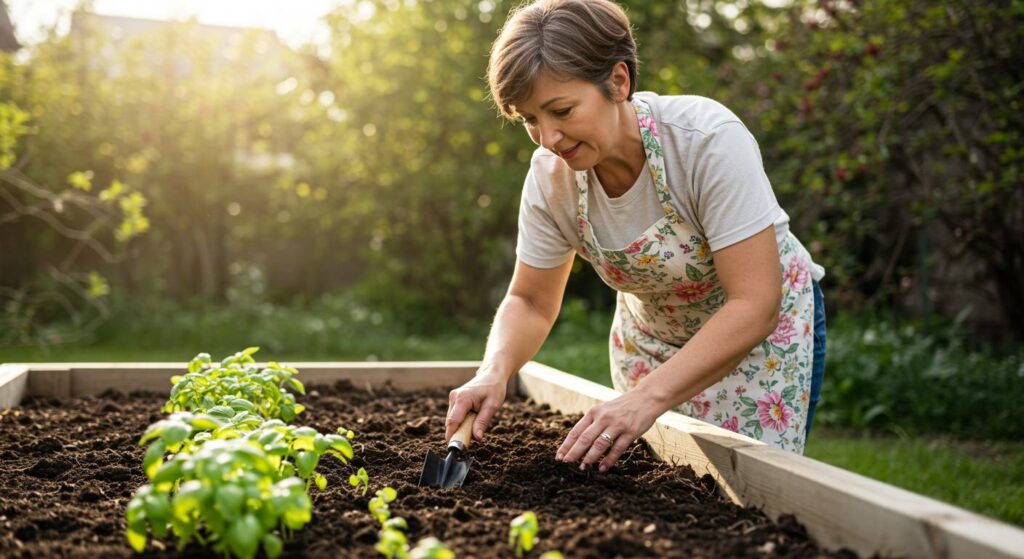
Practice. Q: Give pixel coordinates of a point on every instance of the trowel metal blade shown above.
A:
(433, 471)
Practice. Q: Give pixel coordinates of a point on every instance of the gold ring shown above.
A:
(607, 437)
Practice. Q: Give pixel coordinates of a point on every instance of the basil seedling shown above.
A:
(522, 532)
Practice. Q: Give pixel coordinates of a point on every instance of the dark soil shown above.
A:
(70, 467)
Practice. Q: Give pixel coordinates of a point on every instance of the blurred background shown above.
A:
(328, 180)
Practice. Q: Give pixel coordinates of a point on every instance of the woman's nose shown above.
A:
(550, 136)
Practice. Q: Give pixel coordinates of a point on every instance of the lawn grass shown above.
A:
(985, 477)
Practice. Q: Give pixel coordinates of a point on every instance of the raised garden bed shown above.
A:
(71, 463)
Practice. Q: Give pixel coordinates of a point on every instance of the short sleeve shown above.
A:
(540, 244)
(734, 198)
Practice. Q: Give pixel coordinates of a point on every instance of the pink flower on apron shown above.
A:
(773, 413)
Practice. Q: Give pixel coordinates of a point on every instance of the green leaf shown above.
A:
(154, 458)
(693, 273)
(190, 496)
(272, 546)
(321, 444)
(342, 445)
(306, 462)
(175, 433)
(305, 432)
(204, 422)
(137, 540)
(321, 482)
(230, 499)
(242, 404)
(169, 472)
(789, 392)
(296, 384)
(158, 511)
(244, 536)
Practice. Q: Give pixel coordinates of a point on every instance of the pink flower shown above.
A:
(773, 412)
(732, 424)
(795, 275)
(690, 291)
(613, 274)
(639, 371)
(616, 340)
(701, 405)
(646, 121)
(784, 332)
(741, 390)
(636, 246)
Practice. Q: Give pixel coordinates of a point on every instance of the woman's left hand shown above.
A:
(608, 429)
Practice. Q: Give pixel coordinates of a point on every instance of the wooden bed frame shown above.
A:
(839, 508)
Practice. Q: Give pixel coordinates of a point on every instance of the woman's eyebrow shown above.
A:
(549, 101)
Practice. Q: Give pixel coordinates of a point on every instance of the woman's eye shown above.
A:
(562, 113)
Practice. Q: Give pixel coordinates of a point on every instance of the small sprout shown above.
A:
(379, 504)
(392, 544)
(522, 532)
(431, 548)
(552, 555)
(360, 478)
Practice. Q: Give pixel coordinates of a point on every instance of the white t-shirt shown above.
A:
(714, 173)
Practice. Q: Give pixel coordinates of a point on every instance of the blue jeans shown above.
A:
(818, 362)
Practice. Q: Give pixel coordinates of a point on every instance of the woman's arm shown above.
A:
(750, 275)
(522, 323)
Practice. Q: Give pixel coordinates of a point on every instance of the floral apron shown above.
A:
(668, 288)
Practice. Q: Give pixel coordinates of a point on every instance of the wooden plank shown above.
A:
(65, 380)
(13, 381)
(839, 508)
(49, 379)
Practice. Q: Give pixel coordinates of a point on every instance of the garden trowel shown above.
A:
(450, 471)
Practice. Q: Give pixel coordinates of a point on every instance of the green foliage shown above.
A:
(237, 383)
(392, 541)
(376, 160)
(229, 488)
(12, 127)
(360, 478)
(233, 476)
(522, 533)
(379, 504)
(882, 375)
(891, 130)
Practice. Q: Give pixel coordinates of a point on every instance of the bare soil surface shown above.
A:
(69, 469)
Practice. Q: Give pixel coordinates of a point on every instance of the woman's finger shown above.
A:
(600, 446)
(583, 443)
(620, 446)
(570, 439)
(483, 419)
(456, 413)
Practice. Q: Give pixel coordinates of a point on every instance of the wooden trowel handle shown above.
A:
(464, 434)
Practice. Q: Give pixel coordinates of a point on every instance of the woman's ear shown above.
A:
(620, 82)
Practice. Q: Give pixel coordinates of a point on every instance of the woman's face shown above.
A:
(572, 119)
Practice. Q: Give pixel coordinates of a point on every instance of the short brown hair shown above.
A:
(581, 39)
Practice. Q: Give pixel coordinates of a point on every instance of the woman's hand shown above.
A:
(484, 394)
(608, 429)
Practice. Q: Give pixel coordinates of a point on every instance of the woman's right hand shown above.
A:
(484, 394)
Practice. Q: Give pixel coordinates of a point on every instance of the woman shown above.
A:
(667, 198)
